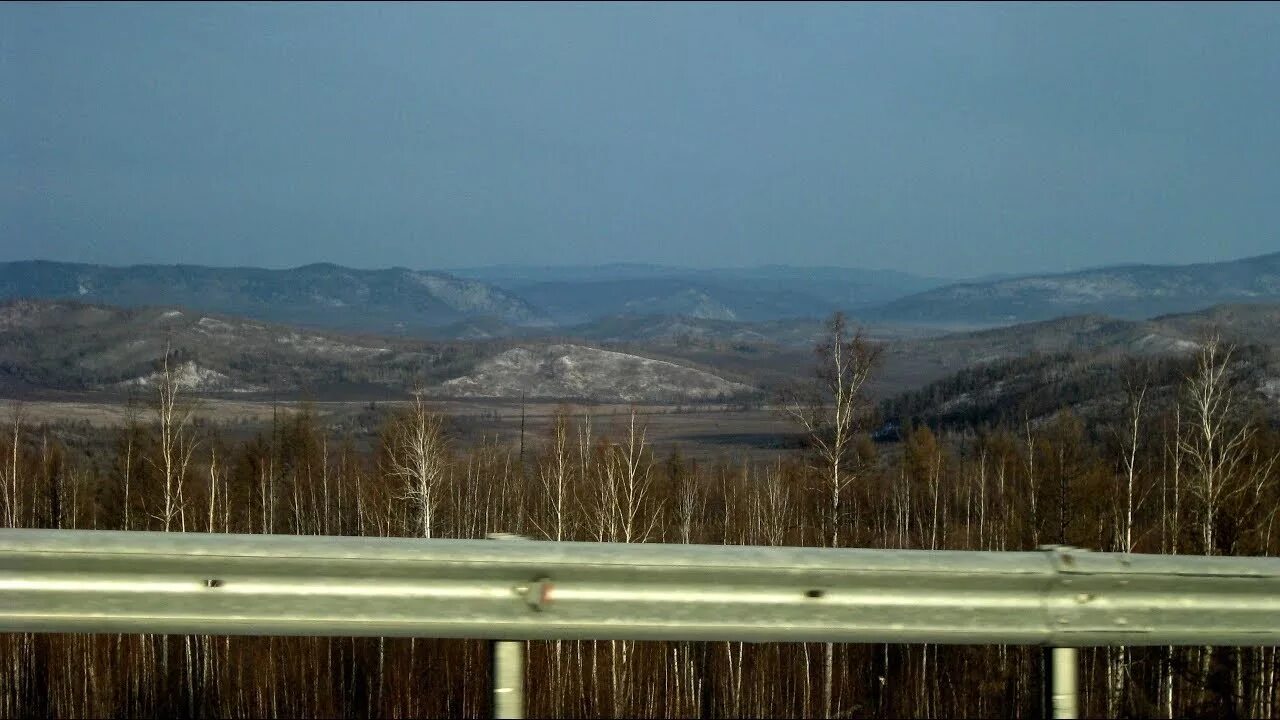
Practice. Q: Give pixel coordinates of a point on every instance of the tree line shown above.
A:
(1194, 472)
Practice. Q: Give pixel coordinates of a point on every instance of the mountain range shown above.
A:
(766, 302)
(1129, 291)
(57, 346)
(1029, 372)
(68, 346)
(581, 294)
(395, 300)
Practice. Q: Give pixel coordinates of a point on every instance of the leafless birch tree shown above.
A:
(417, 458)
(177, 442)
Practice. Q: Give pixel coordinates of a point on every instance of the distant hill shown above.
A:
(1238, 323)
(389, 301)
(66, 346)
(1036, 369)
(581, 294)
(577, 372)
(639, 303)
(71, 346)
(1037, 386)
(770, 353)
(1130, 292)
(682, 330)
(915, 362)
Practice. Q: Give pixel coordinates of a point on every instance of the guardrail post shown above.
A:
(1060, 664)
(1060, 683)
(508, 679)
(508, 668)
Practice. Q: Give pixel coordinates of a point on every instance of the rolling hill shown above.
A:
(1131, 292)
(389, 301)
(68, 346)
(1036, 369)
(633, 303)
(581, 294)
(578, 372)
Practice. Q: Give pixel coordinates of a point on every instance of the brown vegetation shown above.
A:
(1194, 476)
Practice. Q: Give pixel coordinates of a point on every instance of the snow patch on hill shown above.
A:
(209, 324)
(1271, 388)
(192, 378)
(328, 301)
(324, 346)
(473, 298)
(1163, 344)
(575, 371)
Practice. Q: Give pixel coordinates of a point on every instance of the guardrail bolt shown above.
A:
(537, 594)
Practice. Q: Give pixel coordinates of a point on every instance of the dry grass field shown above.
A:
(705, 432)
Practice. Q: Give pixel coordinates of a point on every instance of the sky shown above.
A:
(952, 140)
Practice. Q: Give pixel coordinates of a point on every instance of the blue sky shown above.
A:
(950, 140)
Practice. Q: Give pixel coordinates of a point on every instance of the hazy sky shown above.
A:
(941, 139)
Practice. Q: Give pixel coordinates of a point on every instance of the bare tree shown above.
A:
(174, 413)
(1136, 380)
(131, 428)
(830, 410)
(214, 480)
(632, 465)
(13, 490)
(772, 511)
(1216, 441)
(555, 474)
(418, 459)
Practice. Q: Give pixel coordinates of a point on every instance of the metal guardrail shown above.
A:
(104, 581)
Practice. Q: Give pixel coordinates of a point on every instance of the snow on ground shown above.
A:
(1164, 343)
(470, 297)
(209, 324)
(1271, 388)
(326, 300)
(317, 344)
(461, 294)
(575, 371)
(192, 378)
(987, 395)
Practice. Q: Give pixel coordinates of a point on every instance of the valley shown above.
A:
(526, 339)
(704, 433)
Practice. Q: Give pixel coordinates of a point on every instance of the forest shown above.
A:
(1191, 467)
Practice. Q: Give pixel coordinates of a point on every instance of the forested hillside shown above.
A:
(395, 300)
(1192, 470)
(1133, 292)
(65, 346)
